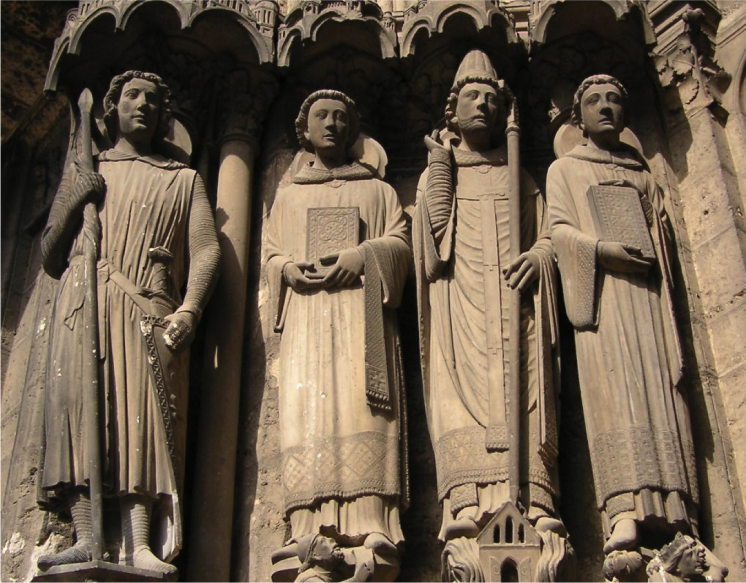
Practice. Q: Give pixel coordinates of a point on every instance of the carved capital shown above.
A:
(684, 56)
(244, 105)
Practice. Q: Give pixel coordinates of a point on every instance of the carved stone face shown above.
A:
(602, 109)
(327, 552)
(692, 562)
(477, 109)
(138, 110)
(328, 127)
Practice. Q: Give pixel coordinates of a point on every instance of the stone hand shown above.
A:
(433, 144)
(362, 573)
(180, 331)
(621, 258)
(523, 271)
(89, 187)
(295, 276)
(348, 268)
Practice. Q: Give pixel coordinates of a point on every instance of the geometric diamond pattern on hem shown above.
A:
(462, 458)
(341, 467)
(630, 459)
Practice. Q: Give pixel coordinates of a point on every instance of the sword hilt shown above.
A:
(162, 258)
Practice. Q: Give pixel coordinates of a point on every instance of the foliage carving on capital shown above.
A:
(245, 105)
(686, 67)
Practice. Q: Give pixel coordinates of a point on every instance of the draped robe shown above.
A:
(628, 354)
(464, 318)
(148, 203)
(341, 457)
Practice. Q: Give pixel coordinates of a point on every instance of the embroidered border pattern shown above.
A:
(633, 458)
(341, 467)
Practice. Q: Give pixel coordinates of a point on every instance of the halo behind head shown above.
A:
(301, 122)
(111, 100)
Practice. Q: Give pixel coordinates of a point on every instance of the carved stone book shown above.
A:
(330, 230)
(618, 216)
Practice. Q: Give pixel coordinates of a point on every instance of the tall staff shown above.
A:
(513, 134)
(92, 236)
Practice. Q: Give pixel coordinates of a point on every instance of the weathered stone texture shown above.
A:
(695, 151)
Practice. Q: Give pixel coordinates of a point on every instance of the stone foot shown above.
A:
(547, 524)
(462, 527)
(286, 552)
(78, 553)
(623, 537)
(145, 559)
(380, 544)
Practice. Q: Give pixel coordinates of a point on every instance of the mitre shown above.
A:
(476, 66)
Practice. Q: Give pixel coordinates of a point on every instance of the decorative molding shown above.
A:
(306, 18)
(433, 16)
(258, 18)
(539, 26)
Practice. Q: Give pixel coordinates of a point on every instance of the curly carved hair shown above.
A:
(577, 116)
(301, 122)
(111, 118)
(502, 90)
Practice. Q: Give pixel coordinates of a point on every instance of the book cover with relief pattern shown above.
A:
(618, 216)
(330, 230)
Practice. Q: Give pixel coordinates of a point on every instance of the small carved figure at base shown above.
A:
(624, 566)
(685, 559)
(323, 560)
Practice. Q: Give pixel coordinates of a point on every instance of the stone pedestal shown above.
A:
(98, 571)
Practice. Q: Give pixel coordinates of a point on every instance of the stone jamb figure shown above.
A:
(340, 383)
(628, 352)
(465, 275)
(157, 232)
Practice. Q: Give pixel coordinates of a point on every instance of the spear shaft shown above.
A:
(514, 394)
(91, 233)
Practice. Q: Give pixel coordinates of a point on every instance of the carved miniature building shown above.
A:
(238, 72)
(508, 547)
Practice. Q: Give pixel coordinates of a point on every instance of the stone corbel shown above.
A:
(692, 79)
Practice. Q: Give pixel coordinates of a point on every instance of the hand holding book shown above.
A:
(295, 275)
(348, 266)
(622, 258)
